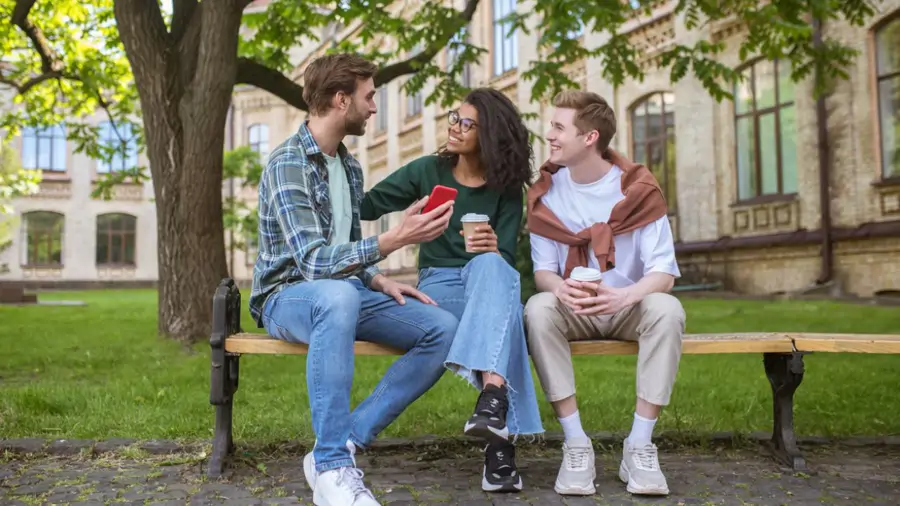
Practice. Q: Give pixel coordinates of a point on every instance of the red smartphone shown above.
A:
(439, 195)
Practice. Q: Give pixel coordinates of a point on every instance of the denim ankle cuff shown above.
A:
(334, 464)
(355, 440)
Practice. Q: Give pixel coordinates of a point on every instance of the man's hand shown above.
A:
(395, 289)
(608, 301)
(416, 228)
(483, 241)
(569, 293)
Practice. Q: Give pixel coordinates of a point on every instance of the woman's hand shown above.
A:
(483, 241)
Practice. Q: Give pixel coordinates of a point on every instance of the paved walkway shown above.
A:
(442, 475)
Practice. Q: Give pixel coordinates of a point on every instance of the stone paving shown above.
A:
(165, 473)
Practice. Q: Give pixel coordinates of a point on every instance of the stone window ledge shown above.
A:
(127, 190)
(123, 271)
(766, 215)
(888, 195)
(41, 271)
(55, 188)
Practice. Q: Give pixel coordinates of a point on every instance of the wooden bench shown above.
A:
(782, 359)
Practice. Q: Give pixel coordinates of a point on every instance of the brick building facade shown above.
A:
(743, 178)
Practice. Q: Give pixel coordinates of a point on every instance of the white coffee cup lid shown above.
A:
(470, 217)
(586, 274)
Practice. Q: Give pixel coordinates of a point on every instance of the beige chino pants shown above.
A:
(656, 323)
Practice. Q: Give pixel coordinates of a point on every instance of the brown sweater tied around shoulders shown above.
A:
(643, 204)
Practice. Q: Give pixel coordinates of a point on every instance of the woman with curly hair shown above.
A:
(488, 160)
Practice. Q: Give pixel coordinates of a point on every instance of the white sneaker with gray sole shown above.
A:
(578, 470)
(640, 470)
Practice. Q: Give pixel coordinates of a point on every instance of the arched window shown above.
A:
(42, 237)
(887, 71)
(653, 140)
(258, 135)
(116, 239)
(44, 148)
(765, 131)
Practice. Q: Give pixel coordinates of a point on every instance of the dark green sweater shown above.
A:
(416, 180)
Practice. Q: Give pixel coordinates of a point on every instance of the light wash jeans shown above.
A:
(329, 316)
(486, 297)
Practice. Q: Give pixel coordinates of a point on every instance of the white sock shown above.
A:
(571, 426)
(351, 447)
(641, 430)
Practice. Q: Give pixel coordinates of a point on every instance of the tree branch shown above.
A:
(50, 62)
(276, 83)
(182, 15)
(217, 45)
(21, 10)
(143, 33)
(271, 80)
(412, 65)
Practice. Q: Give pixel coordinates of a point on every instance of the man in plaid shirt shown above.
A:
(316, 282)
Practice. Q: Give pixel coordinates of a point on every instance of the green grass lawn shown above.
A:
(100, 371)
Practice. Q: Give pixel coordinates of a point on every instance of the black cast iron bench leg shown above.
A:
(785, 372)
(224, 371)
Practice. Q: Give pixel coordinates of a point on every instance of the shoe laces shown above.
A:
(646, 457)
(491, 402)
(352, 477)
(577, 458)
(501, 458)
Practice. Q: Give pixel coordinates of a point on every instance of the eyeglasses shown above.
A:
(465, 124)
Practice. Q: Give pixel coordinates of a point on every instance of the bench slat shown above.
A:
(848, 343)
(764, 342)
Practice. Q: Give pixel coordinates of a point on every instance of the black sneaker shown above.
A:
(489, 419)
(500, 473)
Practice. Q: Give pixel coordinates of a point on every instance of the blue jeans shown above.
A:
(485, 296)
(329, 316)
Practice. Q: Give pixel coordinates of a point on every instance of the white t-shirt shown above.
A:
(339, 192)
(578, 206)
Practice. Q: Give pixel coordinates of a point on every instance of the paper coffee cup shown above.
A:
(469, 222)
(588, 275)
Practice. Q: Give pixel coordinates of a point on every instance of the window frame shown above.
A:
(664, 138)
(381, 104)
(124, 154)
(459, 38)
(512, 64)
(877, 78)
(756, 114)
(259, 128)
(57, 133)
(26, 239)
(124, 234)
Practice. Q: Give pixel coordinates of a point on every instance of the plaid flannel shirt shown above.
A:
(295, 222)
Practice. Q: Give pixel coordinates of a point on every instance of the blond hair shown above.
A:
(592, 112)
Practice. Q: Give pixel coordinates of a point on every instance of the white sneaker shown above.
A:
(309, 465)
(640, 470)
(343, 487)
(577, 471)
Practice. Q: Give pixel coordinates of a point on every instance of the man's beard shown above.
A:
(355, 125)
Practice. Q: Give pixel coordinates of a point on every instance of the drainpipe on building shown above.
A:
(231, 190)
(824, 175)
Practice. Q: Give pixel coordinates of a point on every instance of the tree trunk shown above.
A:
(191, 251)
(185, 79)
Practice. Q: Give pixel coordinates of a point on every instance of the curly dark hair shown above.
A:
(505, 151)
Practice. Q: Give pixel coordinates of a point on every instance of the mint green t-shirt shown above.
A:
(339, 191)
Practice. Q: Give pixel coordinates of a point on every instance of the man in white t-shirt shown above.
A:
(594, 208)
